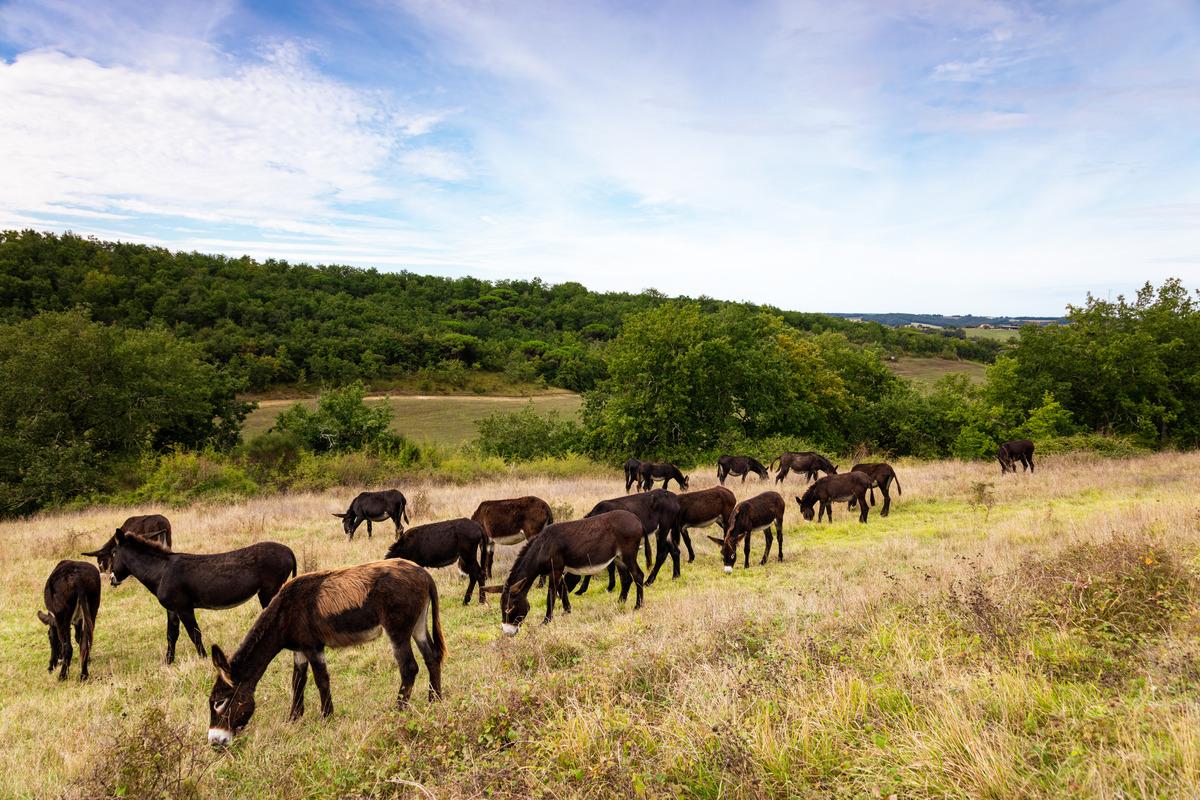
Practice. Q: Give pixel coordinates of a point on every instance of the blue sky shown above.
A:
(912, 155)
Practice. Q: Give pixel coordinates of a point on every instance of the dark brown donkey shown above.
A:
(739, 465)
(703, 508)
(371, 507)
(72, 597)
(632, 467)
(509, 521)
(835, 489)
(579, 547)
(183, 582)
(758, 513)
(807, 462)
(658, 511)
(334, 608)
(882, 475)
(150, 526)
(649, 472)
(1014, 451)
(440, 544)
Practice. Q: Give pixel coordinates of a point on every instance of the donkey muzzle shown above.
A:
(219, 737)
(728, 570)
(509, 630)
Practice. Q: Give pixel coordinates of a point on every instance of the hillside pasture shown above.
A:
(995, 334)
(432, 419)
(930, 369)
(959, 648)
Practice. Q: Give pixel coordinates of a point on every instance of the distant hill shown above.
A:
(897, 320)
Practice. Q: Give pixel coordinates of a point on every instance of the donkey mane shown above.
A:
(810, 493)
(152, 546)
(524, 553)
(264, 623)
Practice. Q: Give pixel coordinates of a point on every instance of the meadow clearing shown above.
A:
(448, 420)
(930, 369)
(1036, 638)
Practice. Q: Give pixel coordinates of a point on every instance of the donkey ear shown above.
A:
(47, 617)
(518, 584)
(799, 501)
(493, 589)
(92, 554)
(343, 516)
(119, 536)
(222, 664)
(714, 539)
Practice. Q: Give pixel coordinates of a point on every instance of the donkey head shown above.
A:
(117, 569)
(728, 547)
(683, 484)
(514, 604)
(230, 706)
(348, 525)
(806, 508)
(104, 556)
(1006, 461)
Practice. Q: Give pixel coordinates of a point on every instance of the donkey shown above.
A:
(807, 462)
(371, 507)
(881, 475)
(183, 582)
(658, 511)
(758, 513)
(632, 468)
(155, 527)
(649, 472)
(739, 465)
(703, 508)
(579, 547)
(72, 597)
(1014, 451)
(333, 608)
(836, 488)
(440, 544)
(509, 522)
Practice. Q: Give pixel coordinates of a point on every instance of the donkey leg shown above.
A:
(65, 644)
(862, 517)
(407, 662)
(551, 594)
(767, 552)
(583, 585)
(626, 582)
(887, 500)
(563, 594)
(612, 577)
(687, 540)
(646, 541)
(779, 536)
(188, 617)
(430, 655)
(321, 675)
(172, 635)
(368, 528)
(661, 556)
(636, 573)
(746, 550)
(299, 680)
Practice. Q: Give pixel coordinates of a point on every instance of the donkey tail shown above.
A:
(84, 610)
(439, 640)
(774, 462)
(897, 482)
(293, 564)
(404, 514)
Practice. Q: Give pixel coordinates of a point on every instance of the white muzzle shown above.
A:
(728, 570)
(219, 737)
(509, 630)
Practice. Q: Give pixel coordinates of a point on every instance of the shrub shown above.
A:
(341, 422)
(182, 477)
(156, 759)
(274, 452)
(525, 434)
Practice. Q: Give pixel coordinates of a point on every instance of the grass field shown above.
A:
(949, 650)
(434, 419)
(998, 334)
(930, 369)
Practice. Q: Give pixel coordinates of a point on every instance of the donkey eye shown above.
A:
(219, 707)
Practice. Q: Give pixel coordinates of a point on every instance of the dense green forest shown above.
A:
(273, 323)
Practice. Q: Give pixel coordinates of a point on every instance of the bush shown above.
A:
(525, 434)
(182, 477)
(274, 452)
(341, 423)
(1106, 446)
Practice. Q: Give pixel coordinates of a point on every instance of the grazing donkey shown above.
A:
(836, 488)
(72, 597)
(632, 468)
(739, 465)
(333, 608)
(807, 462)
(658, 511)
(649, 472)
(440, 544)
(758, 513)
(703, 508)
(1014, 451)
(371, 507)
(509, 521)
(881, 475)
(150, 526)
(579, 547)
(183, 582)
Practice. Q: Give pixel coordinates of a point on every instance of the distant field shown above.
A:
(998, 334)
(930, 369)
(433, 419)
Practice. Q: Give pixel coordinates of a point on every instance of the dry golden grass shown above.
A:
(895, 657)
